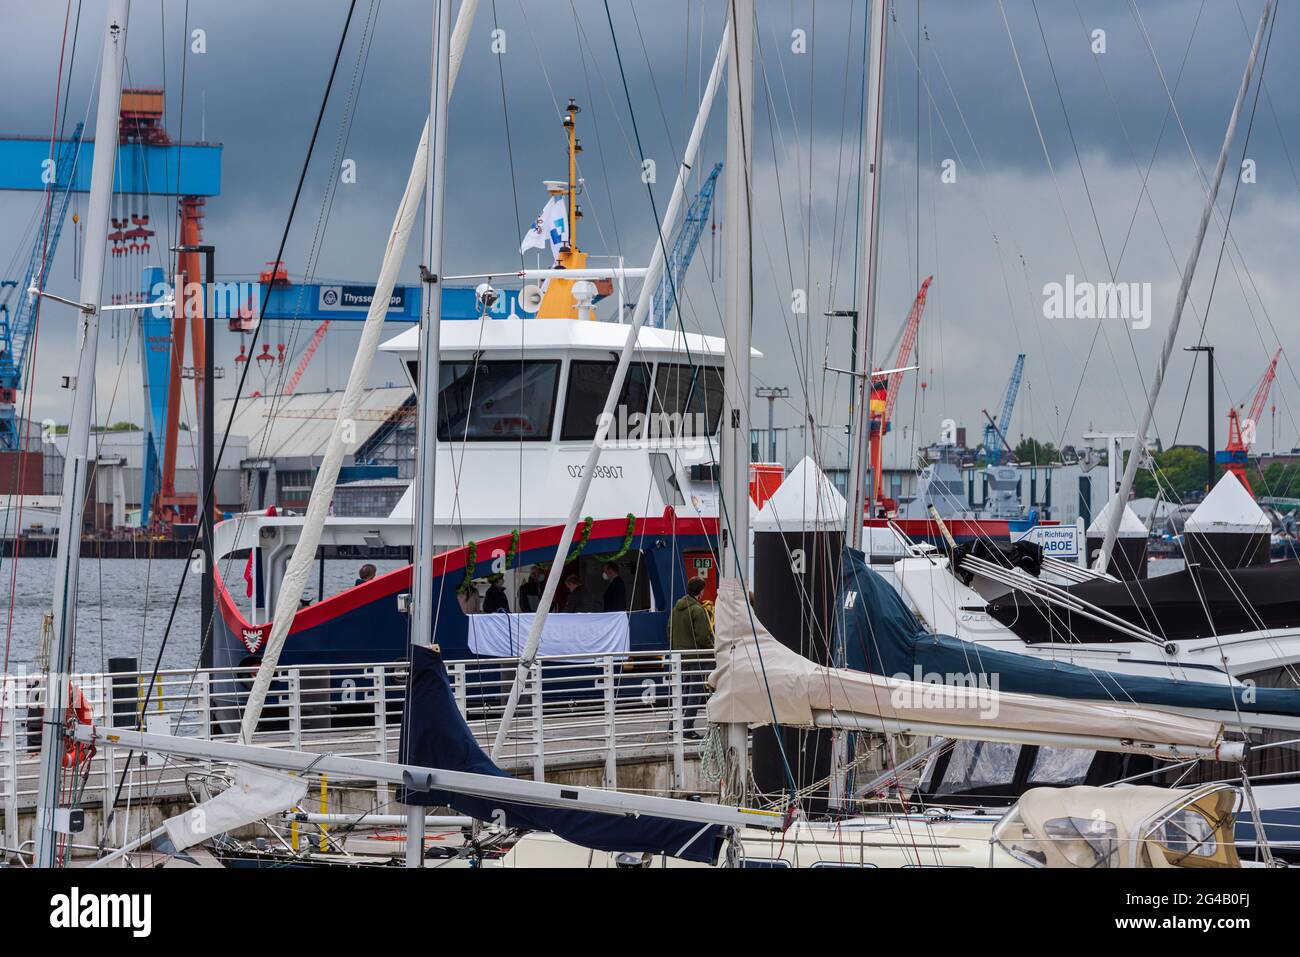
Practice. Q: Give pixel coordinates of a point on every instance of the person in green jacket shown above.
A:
(689, 630)
(688, 626)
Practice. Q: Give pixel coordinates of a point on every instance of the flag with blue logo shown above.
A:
(551, 228)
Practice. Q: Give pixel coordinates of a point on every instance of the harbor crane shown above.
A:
(1241, 431)
(885, 386)
(684, 246)
(153, 167)
(996, 429)
(19, 309)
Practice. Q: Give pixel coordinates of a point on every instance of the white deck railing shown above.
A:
(579, 711)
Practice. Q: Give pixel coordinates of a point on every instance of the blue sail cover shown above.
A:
(877, 632)
(434, 735)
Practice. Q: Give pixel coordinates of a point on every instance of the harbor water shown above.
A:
(123, 607)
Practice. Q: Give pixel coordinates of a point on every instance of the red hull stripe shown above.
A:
(396, 582)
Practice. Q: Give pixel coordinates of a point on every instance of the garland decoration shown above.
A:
(583, 536)
(627, 541)
(512, 551)
(471, 553)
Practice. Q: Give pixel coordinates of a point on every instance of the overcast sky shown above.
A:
(1015, 219)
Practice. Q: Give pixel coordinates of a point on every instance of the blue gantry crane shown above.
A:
(17, 307)
(994, 449)
(684, 246)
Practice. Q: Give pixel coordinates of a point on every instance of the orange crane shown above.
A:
(1241, 431)
(884, 396)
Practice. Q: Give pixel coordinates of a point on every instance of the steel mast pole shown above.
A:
(868, 254)
(733, 486)
(76, 463)
(1139, 443)
(422, 597)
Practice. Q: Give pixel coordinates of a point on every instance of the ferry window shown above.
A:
(665, 476)
(688, 389)
(588, 387)
(497, 401)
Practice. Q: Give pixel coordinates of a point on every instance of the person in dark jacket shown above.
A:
(572, 598)
(615, 590)
(496, 598)
(530, 592)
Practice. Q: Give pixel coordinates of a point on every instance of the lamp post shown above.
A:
(771, 393)
(1209, 412)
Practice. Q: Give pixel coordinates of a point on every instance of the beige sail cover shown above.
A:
(1118, 827)
(760, 681)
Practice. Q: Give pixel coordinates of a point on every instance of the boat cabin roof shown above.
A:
(513, 335)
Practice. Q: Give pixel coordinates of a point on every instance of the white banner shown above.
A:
(585, 633)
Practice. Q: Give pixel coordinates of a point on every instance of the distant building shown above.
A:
(287, 436)
(22, 471)
(116, 478)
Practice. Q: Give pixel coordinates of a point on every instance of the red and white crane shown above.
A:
(1242, 430)
(305, 360)
(885, 387)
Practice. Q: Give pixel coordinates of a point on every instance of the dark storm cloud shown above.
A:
(257, 89)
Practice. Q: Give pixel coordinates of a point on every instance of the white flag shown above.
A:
(535, 238)
(555, 220)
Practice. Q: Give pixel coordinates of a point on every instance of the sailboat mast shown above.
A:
(737, 331)
(76, 462)
(738, 302)
(868, 246)
(1139, 441)
(422, 596)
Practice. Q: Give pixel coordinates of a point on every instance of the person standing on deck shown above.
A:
(496, 598)
(615, 598)
(530, 592)
(688, 625)
(689, 630)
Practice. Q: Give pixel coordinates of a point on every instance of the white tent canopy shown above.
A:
(806, 499)
(1229, 508)
(1130, 526)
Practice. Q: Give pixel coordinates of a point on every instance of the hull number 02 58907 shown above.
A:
(602, 471)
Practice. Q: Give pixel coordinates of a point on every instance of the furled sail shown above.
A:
(435, 735)
(760, 681)
(878, 633)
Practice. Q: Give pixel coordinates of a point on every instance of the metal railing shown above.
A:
(578, 711)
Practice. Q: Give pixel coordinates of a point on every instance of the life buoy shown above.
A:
(79, 712)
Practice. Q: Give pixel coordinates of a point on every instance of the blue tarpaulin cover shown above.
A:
(877, 632)
(434, 735)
